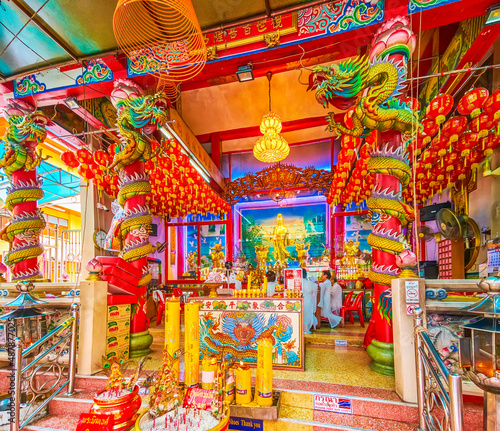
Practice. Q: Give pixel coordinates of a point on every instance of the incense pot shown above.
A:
(123, 408)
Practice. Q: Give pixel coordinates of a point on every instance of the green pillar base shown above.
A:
(139, 344)
(382, 356)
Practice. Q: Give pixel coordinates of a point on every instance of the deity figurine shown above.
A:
(281, 240)
(217, 256)
(192, 260)
(302, 253)
(351, 250)
(261, 253)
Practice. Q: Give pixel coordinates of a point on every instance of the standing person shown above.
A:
(337, 298)
(325, 301)
(271, 283)
(309, 292)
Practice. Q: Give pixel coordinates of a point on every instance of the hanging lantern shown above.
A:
(492, 105)
(430, 129)
(472, 101)
(429, 157)
(69, 159)
(271, 122)
(481, 124)
(488, 143)
(453, 128)
(466, 142)
(450, 160)
(439, 108)
(412, 103)
(84, 156)
(440, 145)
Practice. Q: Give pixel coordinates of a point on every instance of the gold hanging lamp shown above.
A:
(271, 147)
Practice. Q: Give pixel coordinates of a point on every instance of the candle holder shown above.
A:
(213, 289)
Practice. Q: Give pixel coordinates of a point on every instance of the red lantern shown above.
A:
(481, 124)
(430, 128)
(439, 108)
(69, 159)
(466, 142)
(453, 128)
(450, 160)
(84, 156)
(440, 145)
(472, 101)
(429, 157)
(488, 144)
(492, 105)
(102, 158)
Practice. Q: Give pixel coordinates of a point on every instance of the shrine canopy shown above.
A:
(178, 187)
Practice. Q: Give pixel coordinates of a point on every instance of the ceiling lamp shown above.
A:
(271, 147)
(161, 37)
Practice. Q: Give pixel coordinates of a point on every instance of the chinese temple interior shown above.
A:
(250, 214)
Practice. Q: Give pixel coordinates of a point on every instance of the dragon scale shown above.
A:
(26, 130)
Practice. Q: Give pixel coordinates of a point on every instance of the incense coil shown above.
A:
(160, 37)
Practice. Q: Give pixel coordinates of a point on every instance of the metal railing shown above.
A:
(439, 392)
(47, 374)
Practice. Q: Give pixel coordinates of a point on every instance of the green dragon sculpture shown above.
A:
(136, 113)
(26, 129)
(342, 85)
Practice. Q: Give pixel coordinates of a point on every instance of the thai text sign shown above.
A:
(332, 404)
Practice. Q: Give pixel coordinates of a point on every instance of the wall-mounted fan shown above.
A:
(454, 227)
(426, 234)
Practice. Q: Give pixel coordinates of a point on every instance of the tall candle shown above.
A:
(249, 281)
(264, 380)
(191, 344)
(230, 386)
(265, 285)
(208, 372)
(243, 384)
(173, 329)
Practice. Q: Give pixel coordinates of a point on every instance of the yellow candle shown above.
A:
(243, 384)
(191, 344)
(230, 387)
(173, 330)
(265, 285)
(208, 372)
(249, 281)
(264, 381)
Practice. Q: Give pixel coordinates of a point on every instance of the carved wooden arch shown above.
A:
(279, 176)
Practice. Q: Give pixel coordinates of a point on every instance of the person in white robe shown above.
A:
(309, 292)
(325, 301)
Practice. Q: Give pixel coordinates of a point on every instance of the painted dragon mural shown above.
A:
(139, 119)
(372, 88)
(237, 333)
(25, 131)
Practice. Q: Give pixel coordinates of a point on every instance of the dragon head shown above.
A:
(146, 112)
(25, 123)
(339, 84)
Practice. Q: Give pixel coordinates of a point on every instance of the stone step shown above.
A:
(50, 422)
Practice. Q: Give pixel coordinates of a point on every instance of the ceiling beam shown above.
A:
(44, 27)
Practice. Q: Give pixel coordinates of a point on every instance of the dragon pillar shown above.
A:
(138, 115)
(373, 85)
(26, 129)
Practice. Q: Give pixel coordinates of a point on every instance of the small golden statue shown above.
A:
(217, 256)
(281, 240)
(192, 260)
(261, 253)
(302, 253)
(351, 251)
